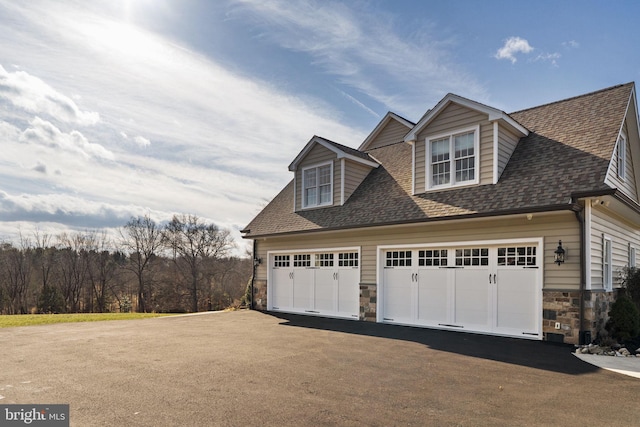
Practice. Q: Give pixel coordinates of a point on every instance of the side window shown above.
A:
(622, 157)
(607, 272)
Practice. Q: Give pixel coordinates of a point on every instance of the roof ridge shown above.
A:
(584, 95)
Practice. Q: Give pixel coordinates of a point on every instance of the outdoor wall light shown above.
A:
(257, 261)
(559, 254)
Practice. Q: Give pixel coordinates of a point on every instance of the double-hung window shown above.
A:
(453, 159)
(622, 157)
(607, 271)
(317, 185)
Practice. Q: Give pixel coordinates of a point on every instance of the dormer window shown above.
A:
(452, 159)
(317, 185)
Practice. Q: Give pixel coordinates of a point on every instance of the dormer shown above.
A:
(391, 130)
(460, 143)
(327, 173)
(624, 164)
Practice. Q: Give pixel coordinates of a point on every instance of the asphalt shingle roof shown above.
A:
(567, 151)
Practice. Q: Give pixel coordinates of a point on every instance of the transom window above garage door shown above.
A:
(472, 256)
(324, 260)
(348, 259)
(398, 259)
(281, 260)
(302, 260)
(517, 255)
(432, 258)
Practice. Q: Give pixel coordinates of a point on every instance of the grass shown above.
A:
(8, 321)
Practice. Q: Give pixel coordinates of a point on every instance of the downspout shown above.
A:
(583, 273)
(255, 267)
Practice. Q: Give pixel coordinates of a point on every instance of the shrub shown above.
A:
(631, 284)
(624, 319)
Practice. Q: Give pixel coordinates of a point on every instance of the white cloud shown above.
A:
(571, 44)
(35, 96)
(142, 141)
(550, 57)
(44, 133)
(513, 46)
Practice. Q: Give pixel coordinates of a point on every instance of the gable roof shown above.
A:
(380, 126)
(342, 151)
(493, 113)
(565, 154)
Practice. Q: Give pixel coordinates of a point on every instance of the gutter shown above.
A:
(253, 275)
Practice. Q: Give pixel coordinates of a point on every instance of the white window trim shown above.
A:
(632, 256)
(622, 157)
(607, 276)
(452, 169)
(316, 166)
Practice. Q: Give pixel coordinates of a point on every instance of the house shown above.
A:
(459, 221)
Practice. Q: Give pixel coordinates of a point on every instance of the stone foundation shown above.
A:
(597, 305)
(368, 301)
(563, 308)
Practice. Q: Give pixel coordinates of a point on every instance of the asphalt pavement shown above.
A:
(248, 368)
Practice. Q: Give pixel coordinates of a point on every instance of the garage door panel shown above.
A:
(398, 295)
(348, 292)
(433, 303)
(516, 297)
(303, 289)
(282, 289)
(325, 290)
(472, 297)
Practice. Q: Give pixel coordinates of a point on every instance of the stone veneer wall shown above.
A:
(564, 308)
(368, 301)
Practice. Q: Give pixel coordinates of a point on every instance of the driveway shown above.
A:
(251, 368)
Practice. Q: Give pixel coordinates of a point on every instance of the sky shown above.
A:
(121, 108)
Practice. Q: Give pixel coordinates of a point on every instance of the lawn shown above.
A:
(7, 321)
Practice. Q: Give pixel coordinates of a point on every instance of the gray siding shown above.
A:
(354, 174)
(507, 142)
(392, 133)
(628, 185)
(621, 233)
(552, 227)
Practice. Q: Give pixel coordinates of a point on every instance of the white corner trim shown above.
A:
(295, 190)
(587, 244)
(413, 168)
(342, 166)
(495, 152)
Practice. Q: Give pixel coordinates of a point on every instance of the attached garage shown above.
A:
(488, 287)
(322, 282)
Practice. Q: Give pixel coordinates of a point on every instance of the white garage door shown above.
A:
(485, 288)
(324, 283)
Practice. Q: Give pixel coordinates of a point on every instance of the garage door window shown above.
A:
(348, 259)
(398, 259)
(432, 258)
(324, 260)
(281, 261)
(302, 260)
(473, 256)
(518, 255)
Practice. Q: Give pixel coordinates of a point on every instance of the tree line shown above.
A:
(184, 266)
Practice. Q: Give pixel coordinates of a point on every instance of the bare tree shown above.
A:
(17, 268)
(103, 268)
(193, 241)
(142, 239)
(73, 268)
